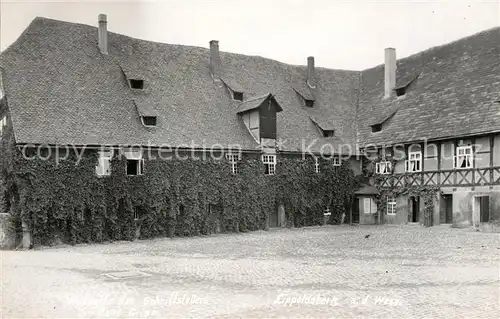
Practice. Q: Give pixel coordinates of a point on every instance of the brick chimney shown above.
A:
(310, 72)
(215, 62)
(390, 72)
(103, 33)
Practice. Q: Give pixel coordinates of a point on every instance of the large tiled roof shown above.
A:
(453, 93)
(61, 89)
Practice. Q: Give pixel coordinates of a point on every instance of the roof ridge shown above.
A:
(256, 98)
(41, 18)
(436, 47)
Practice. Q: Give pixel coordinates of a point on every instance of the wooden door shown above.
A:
(446, 211)
(484, 209)
(355, 211)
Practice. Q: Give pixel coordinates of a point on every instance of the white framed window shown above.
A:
(391, 206)
(3, 123)
(370, 206)
(383, 167)
(316, 165)
(336, 161)
(414, 163)
(464, 158)
(103, 167)
(269, 163)
(135, 163)
(233, 160)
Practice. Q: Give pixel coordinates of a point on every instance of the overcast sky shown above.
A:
(340, 34)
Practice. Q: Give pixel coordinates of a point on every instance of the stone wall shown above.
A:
(463, 204)
(7, 237)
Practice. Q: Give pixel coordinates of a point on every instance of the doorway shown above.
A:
(446, 213)
(481, 210)
(355, 211)
(414, 209)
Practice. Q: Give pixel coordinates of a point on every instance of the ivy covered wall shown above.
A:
(65, 202)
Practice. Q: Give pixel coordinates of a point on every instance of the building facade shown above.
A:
(425, 124)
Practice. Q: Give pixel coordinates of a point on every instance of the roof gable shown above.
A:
(257, 102)
(452, 96)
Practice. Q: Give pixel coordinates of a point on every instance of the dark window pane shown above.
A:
(377, 128)
(328, 133)
(137, 84)
(132, 167)
(484, 208)
(238, 96)
(149, 120)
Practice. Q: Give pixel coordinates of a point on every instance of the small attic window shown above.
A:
(309, 103)
(149, 120)
(328, 133)
(136, 84)
(376, 128)
(238, 96)
(401, 91)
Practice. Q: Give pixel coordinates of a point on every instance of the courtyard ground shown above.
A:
(319, 272)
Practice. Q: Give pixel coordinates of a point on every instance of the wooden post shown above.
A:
(378, 214)
(439, 164)
(492, 145)
(26, 235)
(473, 162)
(350, 211)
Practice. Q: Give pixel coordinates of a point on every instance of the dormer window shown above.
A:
(324, 125)
(305, 95)
(234, 89)
(259, 116)
(148, 115)
(148, 120)
(400, 91)
(238, 96)
(404, 84)
(376, 128)
(328, 133)
(136, 84)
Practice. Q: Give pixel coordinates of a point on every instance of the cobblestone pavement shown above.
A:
(323, 272)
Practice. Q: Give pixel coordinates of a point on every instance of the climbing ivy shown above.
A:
(65, 201)
(429, 193)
